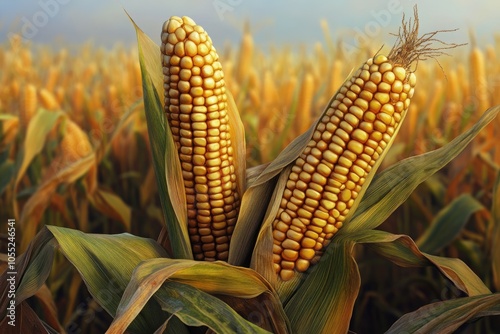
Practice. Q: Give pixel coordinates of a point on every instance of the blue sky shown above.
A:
(66, 22)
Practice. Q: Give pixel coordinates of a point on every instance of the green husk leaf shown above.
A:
(325, 300)
(238, 142)
(447, 316)
(448, 224)
(252, 210)
(262, 260)
(495, 240)
(257, 198)
(254, 172)
(167, 165)
(217, 278)
(403, 251)
(150, 57)
(395, 184)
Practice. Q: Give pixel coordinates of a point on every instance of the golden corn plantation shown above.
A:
(182, 189)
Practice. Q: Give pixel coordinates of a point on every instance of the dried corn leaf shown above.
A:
(495, 240)
(403, 251)
(41, 124)
(49, 308)
(112, 206)
(35, 206)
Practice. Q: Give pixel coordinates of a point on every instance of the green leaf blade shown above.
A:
(446, 316)
(106, 263)
(448, 224)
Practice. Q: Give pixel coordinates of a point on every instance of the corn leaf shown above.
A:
(495, 243)
(38, 129)
(217, 278)
(196, 308)
(112, 206)
(403, 251)
(35, 206)
(7, 170)
(150, 58)
(448, 224)
(5, 117)
(395, 184)
(106, 263)
(27, 321)
(33, 268)
(325, 300)
(447, 316)
(166, 163)
(50, 316)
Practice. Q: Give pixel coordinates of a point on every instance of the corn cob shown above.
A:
(48, 100)
(196, 108)
(28, 104)
(327, 177)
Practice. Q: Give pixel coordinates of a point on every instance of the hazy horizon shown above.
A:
(67, 22)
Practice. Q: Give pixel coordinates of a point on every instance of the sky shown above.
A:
(279, 22)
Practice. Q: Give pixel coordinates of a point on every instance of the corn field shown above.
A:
(173, 187)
